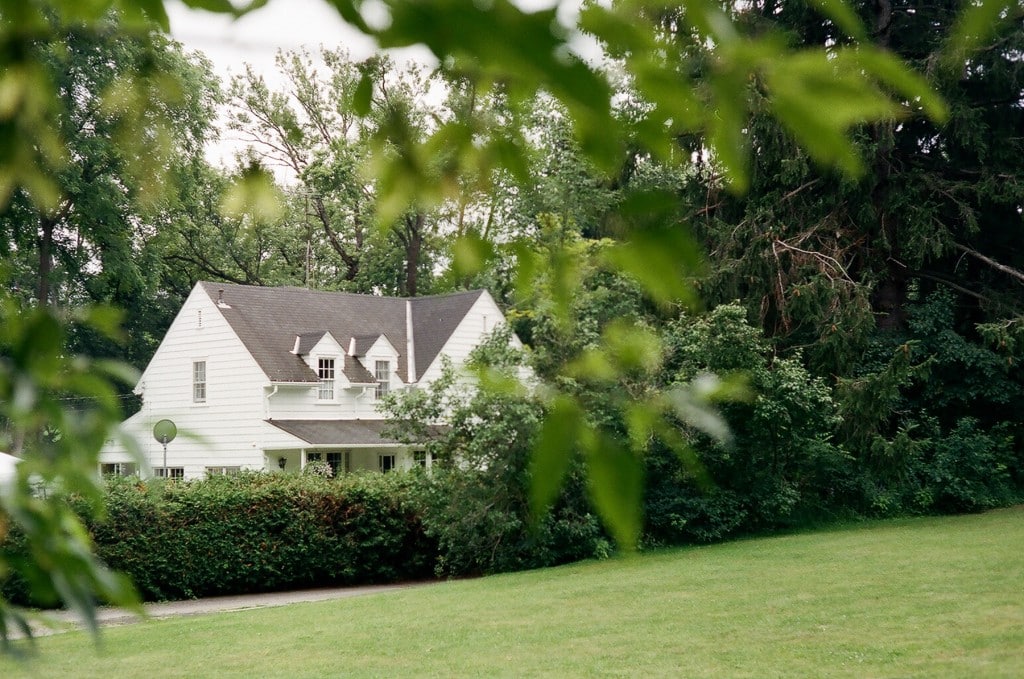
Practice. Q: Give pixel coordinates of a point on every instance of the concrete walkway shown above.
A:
(64, 621)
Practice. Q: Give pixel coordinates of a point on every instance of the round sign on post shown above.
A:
(164, 431)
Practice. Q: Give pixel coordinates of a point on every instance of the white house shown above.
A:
(273, 378)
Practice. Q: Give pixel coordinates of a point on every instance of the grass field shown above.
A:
(940, 597)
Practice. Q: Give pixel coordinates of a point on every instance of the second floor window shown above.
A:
(382, 373)
(199, 381)
(325, 372)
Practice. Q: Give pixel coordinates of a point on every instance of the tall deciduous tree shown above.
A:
(311, 132)
(99, 112)
(88, 241)
(95, 243)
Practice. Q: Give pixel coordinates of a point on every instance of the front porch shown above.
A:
(348, 460)
(346, 445)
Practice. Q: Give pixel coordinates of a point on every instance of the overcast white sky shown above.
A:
(288, 25)
(256, 37)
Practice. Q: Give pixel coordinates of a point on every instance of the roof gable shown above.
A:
(382, 345)
(434, 320)
(268, 320)
(306, 341)
(327, 344)
(361, 344)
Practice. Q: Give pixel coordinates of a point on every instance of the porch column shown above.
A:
(302, 459)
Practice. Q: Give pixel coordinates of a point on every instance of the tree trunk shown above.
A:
(413, 251)
(889, 297)
(350, 261)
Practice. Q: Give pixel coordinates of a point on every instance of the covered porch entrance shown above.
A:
(345, 445)
(345, 460)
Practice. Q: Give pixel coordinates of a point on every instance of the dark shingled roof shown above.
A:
(267, 321)
(356, 372)
(337, 432)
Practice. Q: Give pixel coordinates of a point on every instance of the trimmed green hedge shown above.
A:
(259, 532)
(262, 532)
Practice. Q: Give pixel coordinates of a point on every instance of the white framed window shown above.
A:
(325, 373)
(337, 461)
(223, 471)
(382, 373)
(386, 463)
(169, 472)
(117, 468)
(199, 381)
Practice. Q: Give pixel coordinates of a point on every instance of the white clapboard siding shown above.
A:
(229, 422)
(301, 403)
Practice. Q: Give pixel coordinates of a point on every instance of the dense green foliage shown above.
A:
(899, 287)
(780, 466)
(933, 416)
(100, 241)
(62, 406)
(477, 503)
(254, 533)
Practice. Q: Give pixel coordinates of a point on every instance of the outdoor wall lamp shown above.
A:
(281, 462)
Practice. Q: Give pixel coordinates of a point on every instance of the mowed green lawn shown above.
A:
(940, 597)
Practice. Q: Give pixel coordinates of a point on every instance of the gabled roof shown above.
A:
(308, 340)
(267, 320)
(431, 327)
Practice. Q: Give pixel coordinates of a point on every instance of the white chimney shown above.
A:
(410, 344)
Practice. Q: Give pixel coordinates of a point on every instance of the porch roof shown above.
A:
(339, 433)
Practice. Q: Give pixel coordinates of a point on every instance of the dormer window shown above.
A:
(325, 373)
(382, 373)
